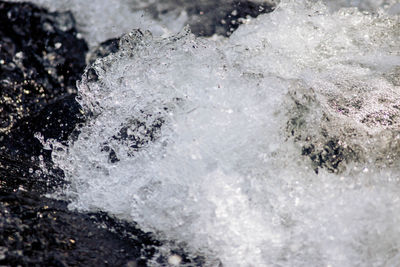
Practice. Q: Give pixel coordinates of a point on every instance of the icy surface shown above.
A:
(277, 147)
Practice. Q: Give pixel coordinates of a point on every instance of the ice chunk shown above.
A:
(202, 142)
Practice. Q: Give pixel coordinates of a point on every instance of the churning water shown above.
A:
(279, 146)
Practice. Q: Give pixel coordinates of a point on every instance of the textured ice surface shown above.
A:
(276, 147)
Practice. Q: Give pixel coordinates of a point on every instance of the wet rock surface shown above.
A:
(38, 231)
(41, 57)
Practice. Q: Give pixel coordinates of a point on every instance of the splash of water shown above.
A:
(276, 147)
(100, 20)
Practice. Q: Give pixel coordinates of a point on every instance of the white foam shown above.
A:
(224, 175)
(100, 20)
(363, 5)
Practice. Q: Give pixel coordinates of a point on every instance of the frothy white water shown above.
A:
(390, 6)
(202, 142)
(100, 20)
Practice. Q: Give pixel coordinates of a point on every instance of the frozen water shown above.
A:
(276, 147)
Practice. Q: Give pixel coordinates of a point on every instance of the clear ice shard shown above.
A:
(276, 147)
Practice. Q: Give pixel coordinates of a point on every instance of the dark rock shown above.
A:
(43, 232)
(41, 58)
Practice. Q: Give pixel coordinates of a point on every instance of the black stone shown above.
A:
(41, 58)
(43, 232)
